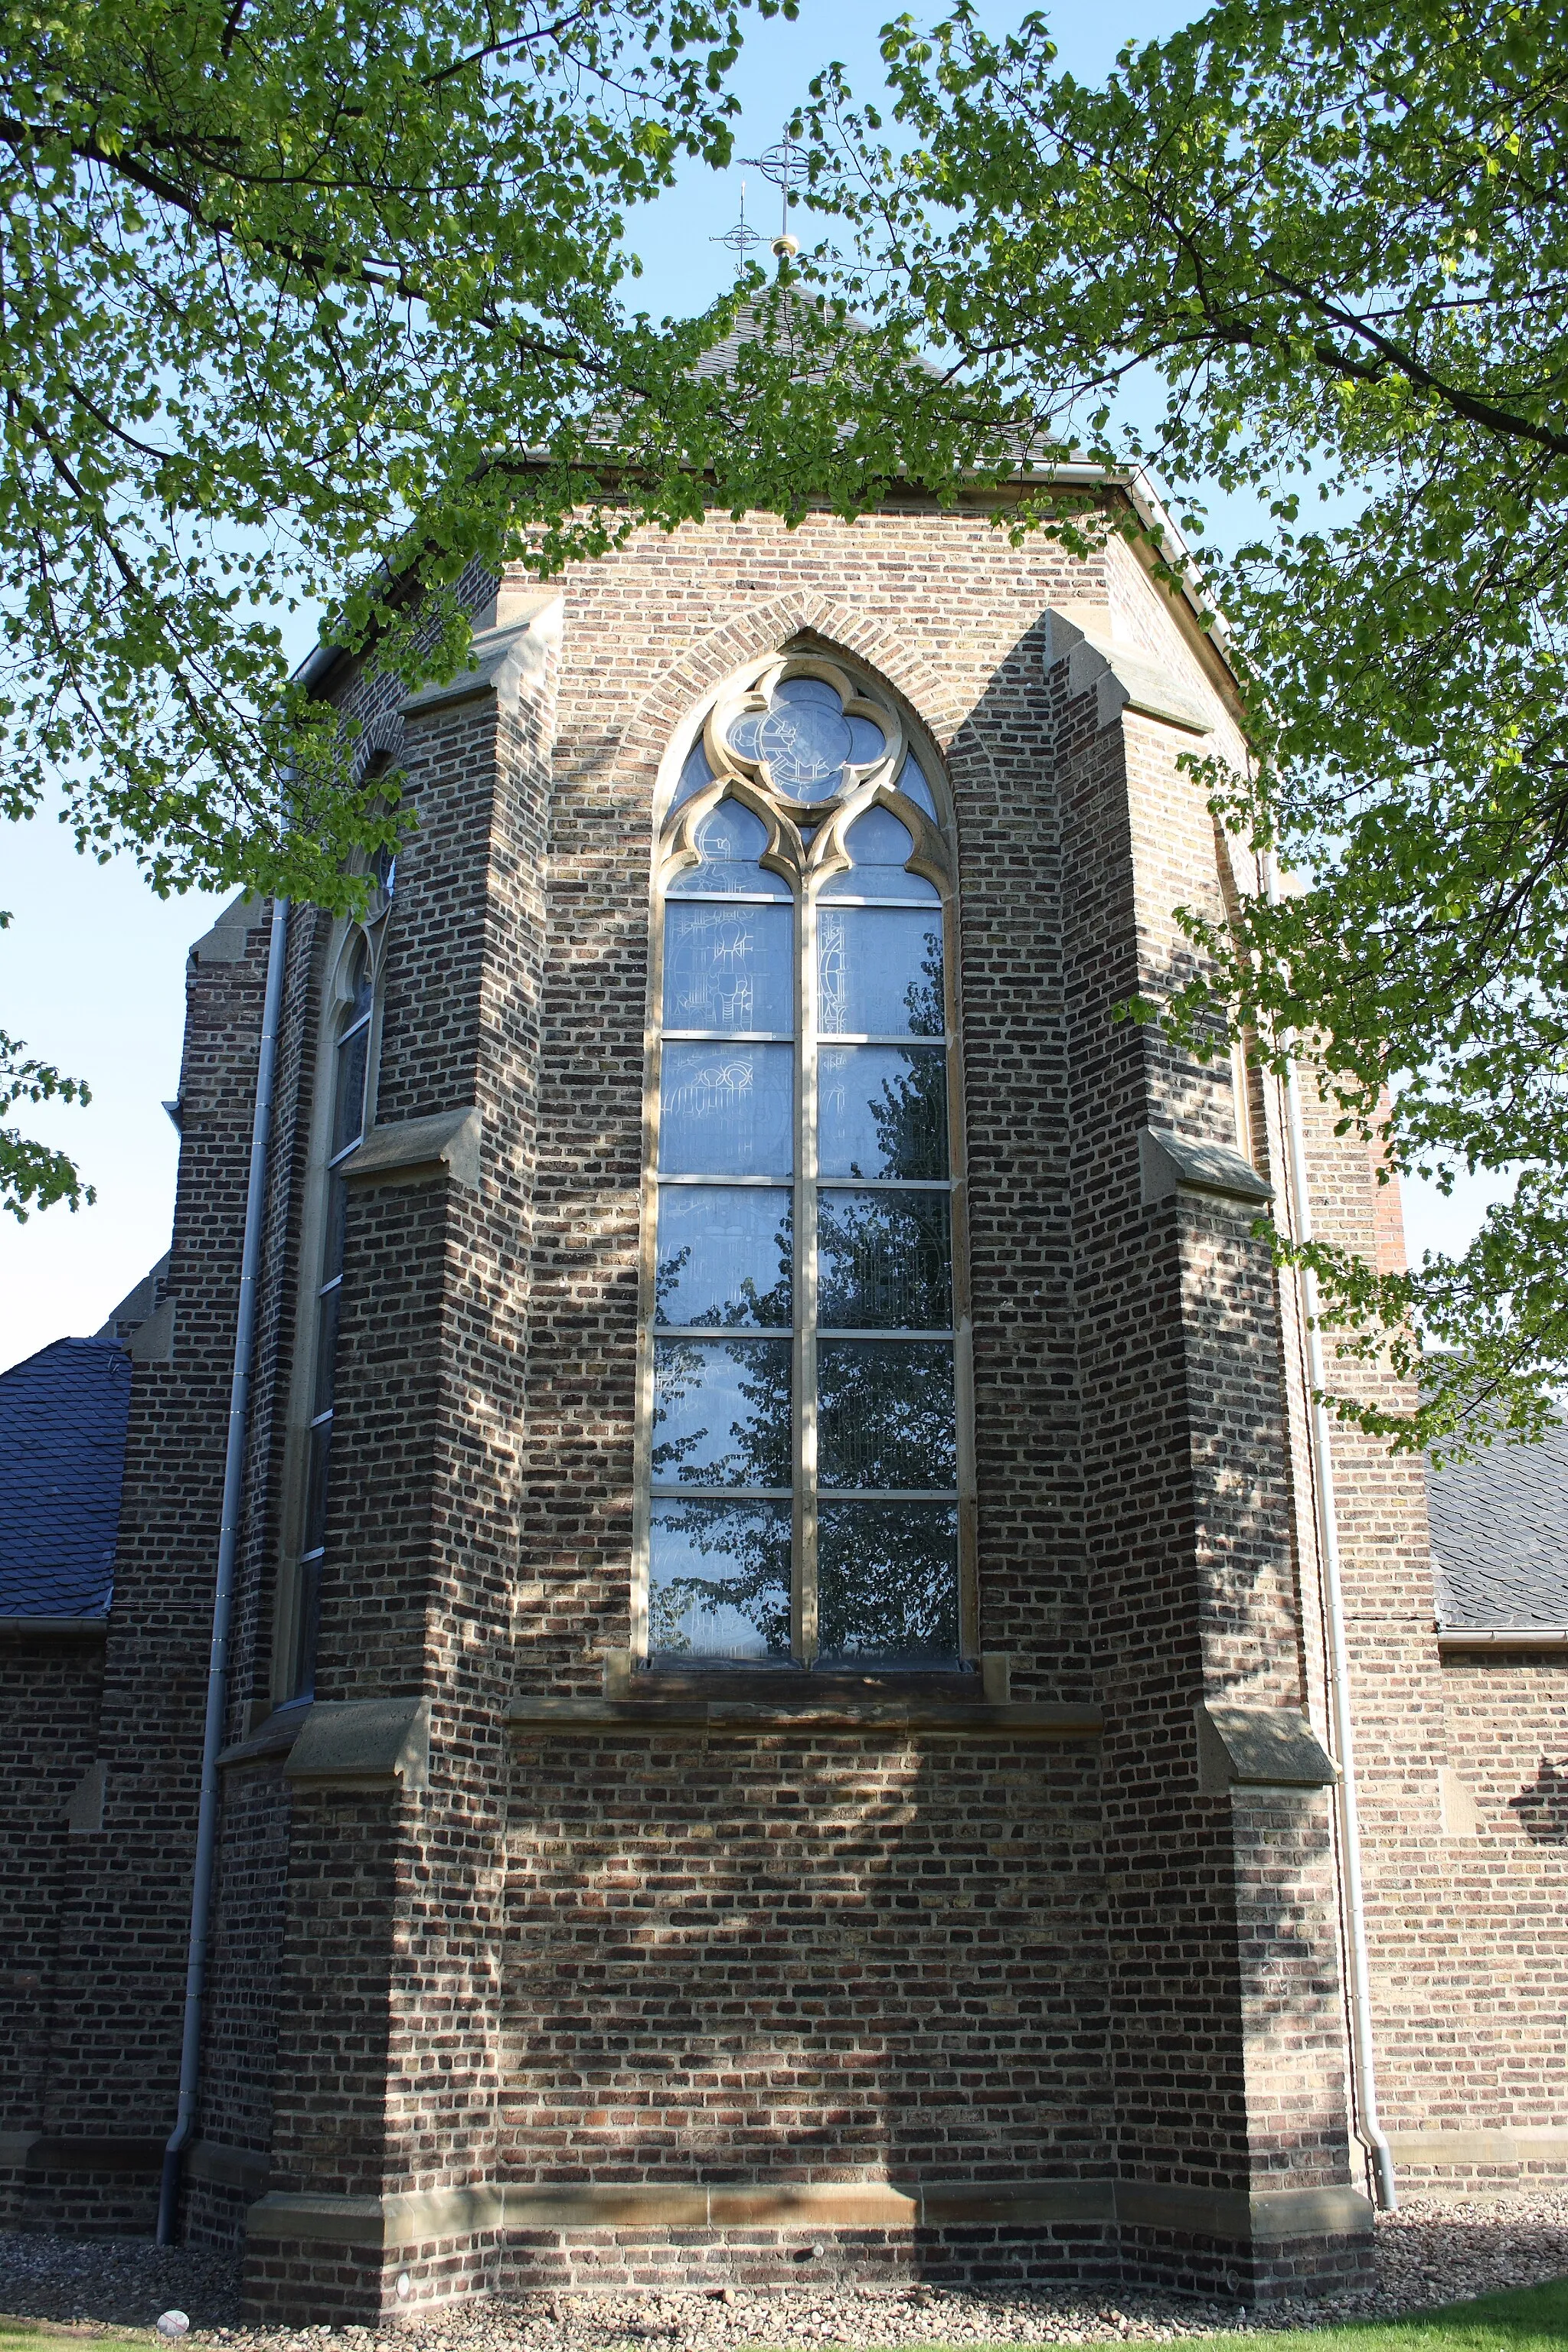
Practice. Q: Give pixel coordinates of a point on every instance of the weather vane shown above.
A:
(783, 164)
(742, 237)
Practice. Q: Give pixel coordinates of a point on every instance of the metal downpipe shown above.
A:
(1363, 2063)
(223, 1593)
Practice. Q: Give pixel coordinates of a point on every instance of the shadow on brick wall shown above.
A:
(1542, 1806)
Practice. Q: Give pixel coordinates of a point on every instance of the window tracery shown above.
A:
(806, 1483)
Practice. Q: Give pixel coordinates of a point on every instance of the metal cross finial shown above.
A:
(742, 237)
(783, 164)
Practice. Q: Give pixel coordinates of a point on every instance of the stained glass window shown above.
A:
(805, 1464)
(806, 742)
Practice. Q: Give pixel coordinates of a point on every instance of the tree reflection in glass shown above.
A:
(725, 1257)
(887, 1584)
(885, 1414)
(884, 1261)
(882, 1111)
(722, 1413)
(880, 972)
(718, 1581)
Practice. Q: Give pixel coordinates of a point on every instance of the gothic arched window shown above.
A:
(348, 1090)
(806, 1479)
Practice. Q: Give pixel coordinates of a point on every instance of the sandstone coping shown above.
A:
(1169, 1163)
(367, 1743)
(1502, 1637)
(1123, 677)
(1259, 1747)
(244, 2168)
(1528, 2143)
(59, 1629)
(499, 658)
(413, 2218)
(34, 2151)
(421, 1150)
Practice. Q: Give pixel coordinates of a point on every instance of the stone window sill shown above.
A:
(738, 1702)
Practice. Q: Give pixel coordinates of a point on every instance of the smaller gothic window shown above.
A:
(350, 1086)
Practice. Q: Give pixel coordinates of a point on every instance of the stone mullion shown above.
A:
(804, 1608)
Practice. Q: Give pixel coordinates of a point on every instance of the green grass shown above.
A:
(1530, 2320)
(43, 2335)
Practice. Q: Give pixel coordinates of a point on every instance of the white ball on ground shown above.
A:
(173, 2324)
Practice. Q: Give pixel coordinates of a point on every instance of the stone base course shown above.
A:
(1429, 2252)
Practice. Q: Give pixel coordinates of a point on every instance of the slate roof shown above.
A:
(62, 1459)
(1500, 1537)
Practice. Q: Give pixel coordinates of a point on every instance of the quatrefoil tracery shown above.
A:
(782, 740)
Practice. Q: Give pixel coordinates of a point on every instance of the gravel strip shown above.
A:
(1426, 2253)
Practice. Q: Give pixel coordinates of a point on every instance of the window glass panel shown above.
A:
(337, 1213)
(302, 1681)
(880, 847)
(880, 972)
(722, 1413)
(316, 1487)
(327, 1348)
(913, 784)
(724, 1256)
(743, 733)
(885, 1414)
(882, 1111)
(729, 968)
(888, 1583)
(730, 840)
(361, 991)
(718, 1581)
(348, 1105)
(804, 739)
(880, 838)
(726, 1110)
(694, 775)
(867, 742)
(884, 1261)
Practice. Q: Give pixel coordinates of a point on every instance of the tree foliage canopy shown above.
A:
(306, 307)
(321, 308)
(1335, 239)
(280, 286)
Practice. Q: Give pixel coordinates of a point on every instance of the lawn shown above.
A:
(1530, 2320)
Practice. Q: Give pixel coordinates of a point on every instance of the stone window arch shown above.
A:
(806, 1458)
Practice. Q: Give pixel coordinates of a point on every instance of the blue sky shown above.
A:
(91, 969)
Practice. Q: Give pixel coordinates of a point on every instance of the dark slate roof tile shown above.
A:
(1500, 1536)
(62, 1460)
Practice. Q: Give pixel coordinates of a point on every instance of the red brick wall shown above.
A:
(612, 1959)
(1470, 1979)
(49, 1691)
